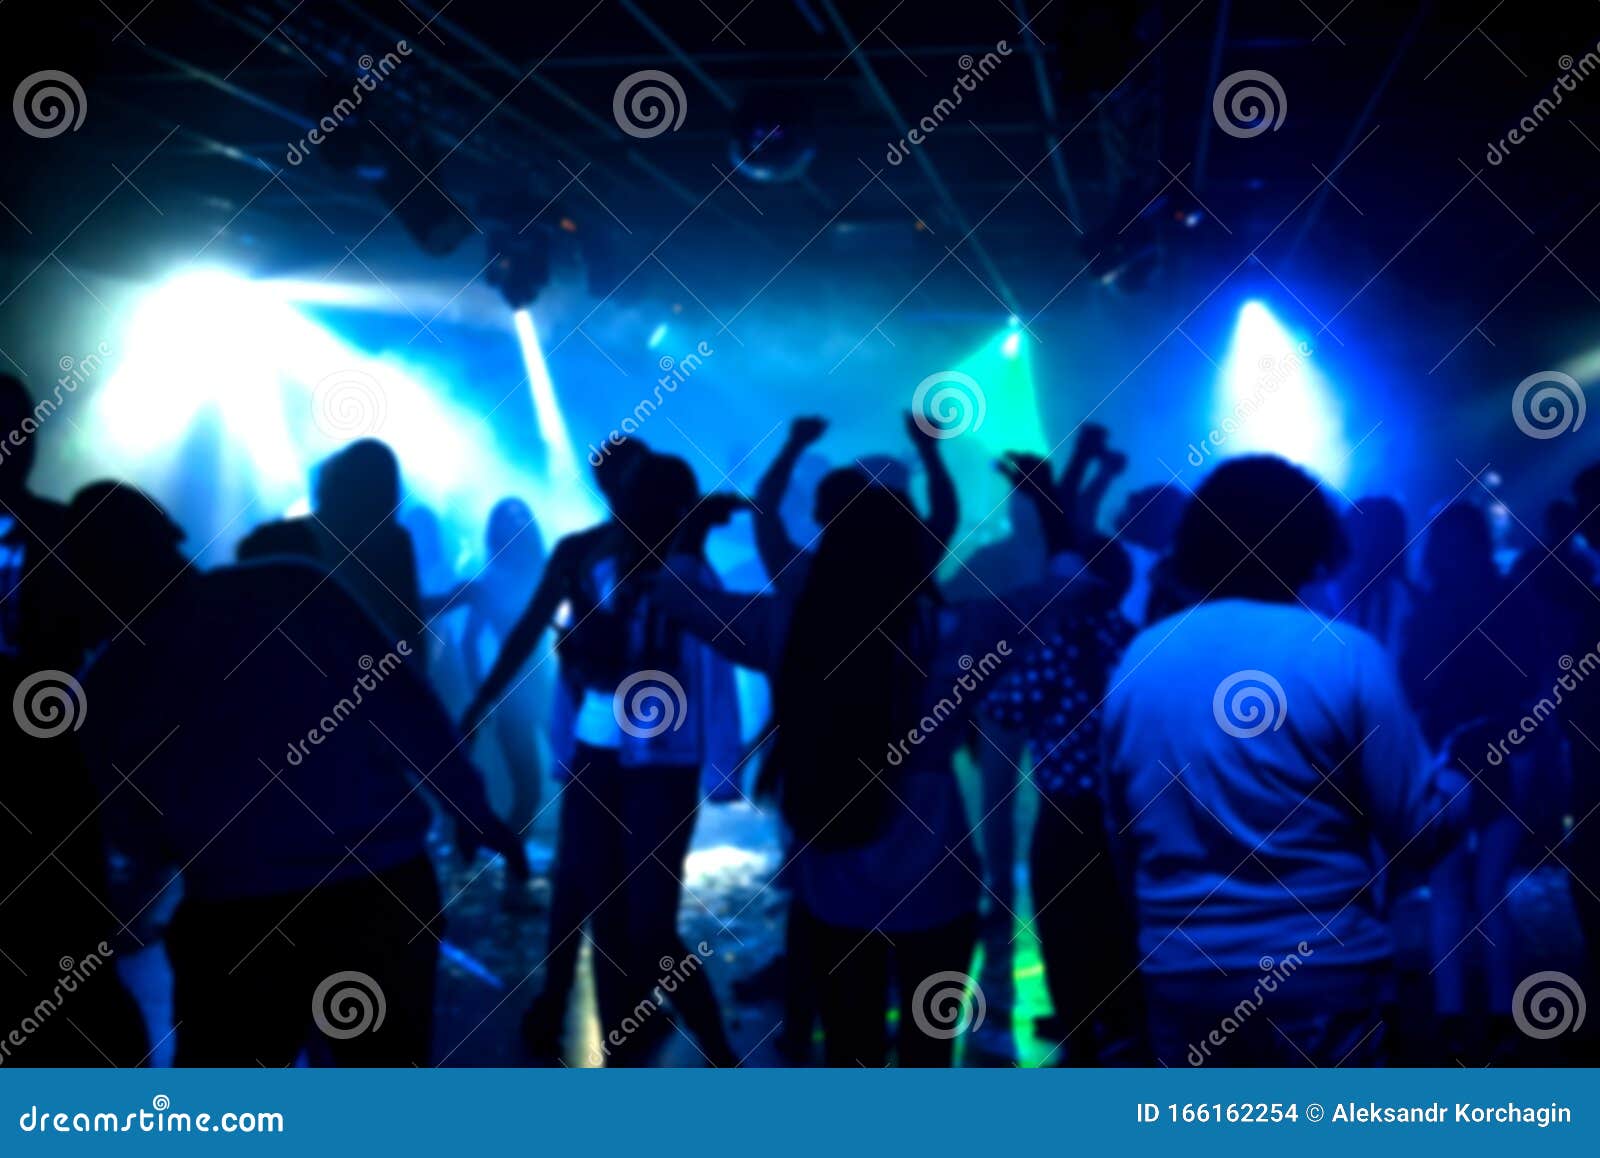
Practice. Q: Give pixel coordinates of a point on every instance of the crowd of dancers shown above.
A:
(1251, 731)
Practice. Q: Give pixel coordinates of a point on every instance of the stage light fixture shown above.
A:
(521, 268)
(774, 136)
(435, 222)
(1129, 250)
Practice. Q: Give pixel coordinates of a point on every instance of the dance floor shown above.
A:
(493, 953)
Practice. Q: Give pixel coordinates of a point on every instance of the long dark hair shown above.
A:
(848, 684)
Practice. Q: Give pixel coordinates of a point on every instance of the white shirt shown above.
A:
(1262, 768)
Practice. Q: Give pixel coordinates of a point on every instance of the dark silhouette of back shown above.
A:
(357, 496)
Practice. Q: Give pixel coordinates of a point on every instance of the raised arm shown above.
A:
(471, 633)
(773, 544)
(713, 511)
(1030, 474)
(1088, 446)
(519, 644)
(739, 626)
(1110, 464)
(944, 508)
(446, 601)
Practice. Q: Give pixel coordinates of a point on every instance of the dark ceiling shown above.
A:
(499, 114)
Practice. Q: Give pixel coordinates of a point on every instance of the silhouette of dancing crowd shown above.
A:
(1255, 735)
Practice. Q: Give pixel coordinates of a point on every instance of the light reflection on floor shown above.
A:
(491, 958)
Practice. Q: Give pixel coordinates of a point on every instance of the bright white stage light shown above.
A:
(562, 463)
(1271, 399)
(213, 355)
(657, 336)
(1012, 344)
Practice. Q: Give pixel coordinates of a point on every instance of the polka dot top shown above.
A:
(1051, 695)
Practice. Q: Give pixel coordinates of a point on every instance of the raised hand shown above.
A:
(1025, 469)
(720, 507)
(1086, 510)
(1030, 474)
(806, 430)
(715, 510)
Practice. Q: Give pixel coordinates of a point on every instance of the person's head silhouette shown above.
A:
(124, 549)
(1259, 528)
(836, 490)
(871, 555)
(660, 493)
(1459, 552)
(612, 473)
(512, 530)
(1376, 530)
(279, 539)
(358, 488)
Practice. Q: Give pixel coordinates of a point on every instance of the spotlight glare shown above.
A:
(1271, 400)
(563, 461)
(1012, 344)
(218, 377)
(657, 335)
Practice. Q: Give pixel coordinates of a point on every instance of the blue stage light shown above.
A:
(562, 462)
(657, 335)
(1271, 398)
